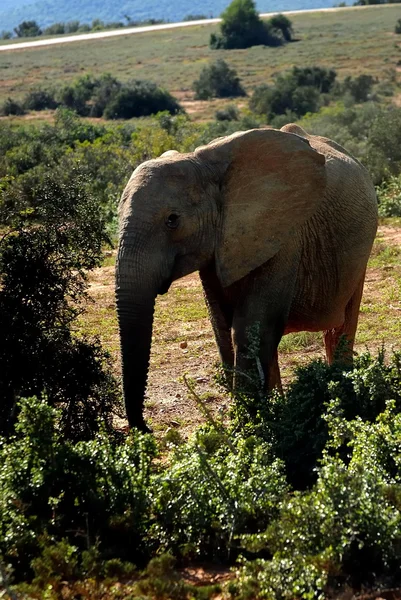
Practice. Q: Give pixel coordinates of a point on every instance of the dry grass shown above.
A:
(181, 316)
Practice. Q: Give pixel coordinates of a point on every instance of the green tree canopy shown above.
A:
(241, 27)
(28, 29)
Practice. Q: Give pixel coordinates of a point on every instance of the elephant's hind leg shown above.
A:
(332, 337)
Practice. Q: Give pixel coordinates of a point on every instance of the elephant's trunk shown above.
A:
(135, 298)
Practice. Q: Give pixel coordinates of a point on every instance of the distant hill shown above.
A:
(47, 12)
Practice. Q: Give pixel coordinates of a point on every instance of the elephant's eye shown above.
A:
(172, 221)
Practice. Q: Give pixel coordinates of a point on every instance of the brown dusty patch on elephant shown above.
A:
(181, 317)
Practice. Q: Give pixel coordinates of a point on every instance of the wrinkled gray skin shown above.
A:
(279, 225)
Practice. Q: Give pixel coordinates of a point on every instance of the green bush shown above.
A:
(294, 93)
(40, 100)
(11, 107)
(80, 492)
(389, 198)
(397, 28)
(45, 253)
(294, 422)
(241, 27)
(346, 531)
(28, 29)
(55, 29)
(77, 95)
(140, 99)
(229, 113)
(216, 487)
(359, 88)
(280, 24)
(105, 89)
(218, 80)
(370, 132)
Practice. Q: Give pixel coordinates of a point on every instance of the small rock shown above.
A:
(183, 345)
(175, 423)
(178, 396)
(201, 380)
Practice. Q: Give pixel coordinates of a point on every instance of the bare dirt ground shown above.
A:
(183, 341)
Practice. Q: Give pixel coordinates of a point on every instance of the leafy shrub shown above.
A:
(77, 95)
(28, 29)
(389, 198)
(11, 107)
(215, 488)
(347, 529)
(218, 80)
(294, 422)
(358, 87)
(75, 492)
(140, 99)
(318, 77)
(55, 29)
(229, 113)
(45, 252)
(40, 100)
(241, 27)
(294, 94)
(281, 24)
(105, 89)
(370, 132)
(397, 28)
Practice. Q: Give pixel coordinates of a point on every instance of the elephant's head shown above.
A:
(234, 202)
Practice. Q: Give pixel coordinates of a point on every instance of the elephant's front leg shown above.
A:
(259, 322)
(255, 348)
(220, 313)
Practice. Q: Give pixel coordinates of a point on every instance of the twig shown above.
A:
(3, 583)
(208, 414)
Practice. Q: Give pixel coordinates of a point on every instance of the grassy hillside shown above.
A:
(46, 12)
(352, 41)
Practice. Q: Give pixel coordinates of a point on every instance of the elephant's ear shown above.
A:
(271, 183)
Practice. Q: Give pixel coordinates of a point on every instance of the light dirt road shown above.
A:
(11, 47)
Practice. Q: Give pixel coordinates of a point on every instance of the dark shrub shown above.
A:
(72, 26)
(45, 253)
(77, 95)
(11, 107)
(106, 88)
(294, 421)
(295, 93)
(397, 28)
(218, 80)
(28, 29)
(229, 113)
(40, 100)
(318, 77)
(53, 491)
(358, 87)
(55, 29)
(140, 99)
(282, 25)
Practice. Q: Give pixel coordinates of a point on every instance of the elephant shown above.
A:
(279, 224)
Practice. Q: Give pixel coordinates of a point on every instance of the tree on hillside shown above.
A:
(28, 29)
(241, 27)
(281, 24)
(218, 80)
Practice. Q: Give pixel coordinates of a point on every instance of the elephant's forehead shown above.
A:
(160, 179)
